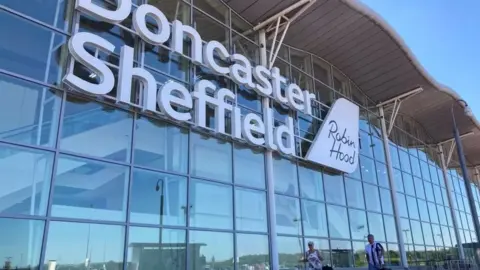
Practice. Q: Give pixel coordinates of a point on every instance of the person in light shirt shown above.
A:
(374, 254)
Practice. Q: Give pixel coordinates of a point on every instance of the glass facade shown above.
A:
(89, 183)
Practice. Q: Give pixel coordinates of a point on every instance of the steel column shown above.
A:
(272, 219)
(393, 189)
(450, 202)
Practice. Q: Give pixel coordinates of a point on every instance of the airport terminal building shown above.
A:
(209, 134)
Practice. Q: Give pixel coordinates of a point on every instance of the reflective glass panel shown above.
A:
(433, 212)
(21, 243)
(160, 146)
(342, 253)
(252, 255)
(290, 251)
(423, 210)
(285, 172)
(85, 122)
(354, 192)
(397, 176)
(250, 210)
(334, 189)
(25, 180)
(206, 212)
(382, 175)
(90, 189)
(419, 188)
(390, 228)
(338, 222)
(28, 112)
(412, 207)
(408, 183)
(249, 167)
(417, 235)
(368, 170)
(288, 215)
(211, 249)
(311, 183)
(89, 246)
(372, 198)
(386, 199)
(427, 233)
(402, 205)
(210, 158)
(158, 198)
(359, 254)
(156, 249)
(314, 219)
(375, 223)
(358, 224)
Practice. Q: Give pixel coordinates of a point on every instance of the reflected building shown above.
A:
(91, 183)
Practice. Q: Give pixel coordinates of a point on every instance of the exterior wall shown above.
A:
(90, 183)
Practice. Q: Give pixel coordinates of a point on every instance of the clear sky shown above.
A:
(444, 35)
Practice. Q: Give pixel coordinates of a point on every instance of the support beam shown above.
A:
(393, 190)
(450, 202)
(453, 139)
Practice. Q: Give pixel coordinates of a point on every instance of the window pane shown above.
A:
(250, 210)
(372, 198)
(354, 191)
(49, 12)
(206, 212)
(422, 206)
(334, 190)
(419, 188)
(375, 223)
(314, 219)
(359, 254)
(338, 222)
(88, 244)
(22, 242)
(394, 254)
(402, 205)
(28, 112)
(368, 170)
(207, 251)
(85, 122)
(342, 253)
(210, 158)
(386, 198)
(358, 224)
(253, 250)
(285, 173)
(417, 234)
(249, 167)
(365, 144)
(427, 233)
(290, 251)
(412, 207)
(311, 183)
(378, 149)
(160, 146)
(391, 228)
(25, 180)
(158, 198)
(90, 189)
(155, 248)
(382, 175)
(408, 183)
(397, 176)
(288, 215)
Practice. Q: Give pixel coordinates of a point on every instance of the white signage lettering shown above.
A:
(176, 102)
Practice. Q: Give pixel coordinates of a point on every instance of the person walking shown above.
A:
(313, 258)
(374, 254)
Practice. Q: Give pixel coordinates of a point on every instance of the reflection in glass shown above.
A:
(368, 170)
(342, 253)
(158, 198)
(334, 189)
(390, 228)
(249, 167)
(210, 205)
(375, 223)
(90, 246)
(365, 144)
(90, 189)
(250, 210)
(28, 112)
(358, 224)
(210, 158)
(25, 180)
(311, 183)
(338, 225)
(160, 146)
(359, 254)
(290, 251)
(252, 250)
(378, 150)
(412, 207)
(354, 192)
(372, 198)
(285, 173)
(419, 188)
(394, 254)
(386, 198)
(408, 183)
(382, 175)
(423, 210)
(85, 122)
(427, 234)
(314, 219)
(288, 215)
(402, 205)
(416, 232)
(21, 243)
(397, 176)
(156, 249)
(213, 249)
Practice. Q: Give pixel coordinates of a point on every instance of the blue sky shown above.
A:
(444, 35)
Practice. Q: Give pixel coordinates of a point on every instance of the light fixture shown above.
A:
(157, 186)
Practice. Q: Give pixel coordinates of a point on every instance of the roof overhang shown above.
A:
(362, 45)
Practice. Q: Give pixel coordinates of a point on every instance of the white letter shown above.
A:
(262, 75)
(241, 71)
(269, 126)
(126, 74)
(111, 16)
(307, 96)
(165, 99)
(253, 124)
(76, 46)
(178, 30)
(209, 56)
(220, 106)
(140, 24)
(295, 97)
(237, 123)
(289, 148)
(200, 95)
(277, 81)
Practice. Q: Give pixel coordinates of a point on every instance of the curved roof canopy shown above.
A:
(362, 45)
